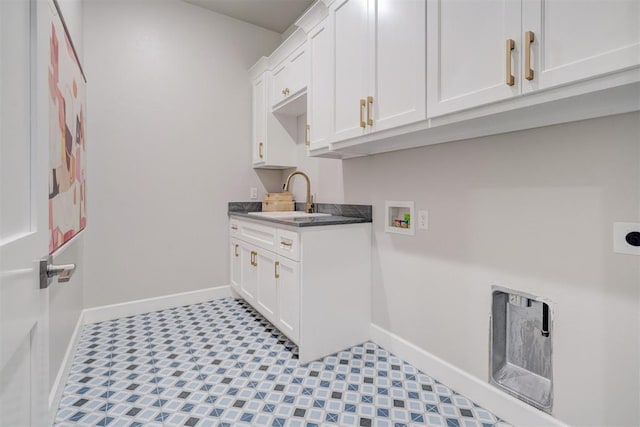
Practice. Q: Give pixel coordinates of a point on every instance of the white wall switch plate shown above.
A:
(423, 220)
(253, 193)
(626, 237)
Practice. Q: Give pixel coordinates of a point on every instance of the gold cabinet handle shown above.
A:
(529, 38)
(254, 258)
(234, 227)
(286, 91)
(286, 244)
(369, 108)
(276, 270)
(307, 135)
(363, 124)
(235, 250)
(260, 150)
(510, 77)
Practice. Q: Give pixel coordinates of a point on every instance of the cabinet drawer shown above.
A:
(288, 244)
(260, 235)
(234, 227)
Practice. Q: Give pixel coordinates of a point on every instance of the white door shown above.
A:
(398, 81)
(236, 265)
(467, 53)
(259, 120)
(578, 39)
(249, 273)
(267, 290)
(350, 25)
(289, 298)
(320, 94)
(23, 217)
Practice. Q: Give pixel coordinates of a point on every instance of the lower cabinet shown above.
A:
(288, 319)
(313, 285)
(270, 283)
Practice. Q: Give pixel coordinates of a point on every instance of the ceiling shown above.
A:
(274, 15)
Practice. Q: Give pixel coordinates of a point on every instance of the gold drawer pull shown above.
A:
(369, 108)
(260, 150)
(234, 227)
(254, 258)
(529, 38)
(235, 250)
(510, 77)
(276, 270)
(286, 244)
(363, 124)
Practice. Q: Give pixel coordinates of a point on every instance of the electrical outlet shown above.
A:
(253, 193)
(423, 220)
(626, 238)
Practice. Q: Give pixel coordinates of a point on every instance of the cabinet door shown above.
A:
(249, 273)
(289, 298)
(280, 74)
(398, 83)
(236, 265)
(350, 27)
(468, 68)
(259, 120)
(298, 74)
(320, 94)
(266, 296)
(579, 39)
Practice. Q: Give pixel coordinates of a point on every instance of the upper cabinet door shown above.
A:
(279, 87)
(397, 84)
(320, 94)
(259, 120)
(580, 39)
(298, 64)
(467, 53)
(350, 23)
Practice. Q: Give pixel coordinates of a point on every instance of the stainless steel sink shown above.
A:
(288, 214)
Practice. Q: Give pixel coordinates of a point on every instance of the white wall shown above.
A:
(327, 184)
(531, 211)
(169, 124)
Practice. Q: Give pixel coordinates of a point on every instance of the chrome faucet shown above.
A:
(309, 204)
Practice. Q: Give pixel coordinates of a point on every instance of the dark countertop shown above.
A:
(340, 214)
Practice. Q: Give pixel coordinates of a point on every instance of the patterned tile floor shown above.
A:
(221, 363)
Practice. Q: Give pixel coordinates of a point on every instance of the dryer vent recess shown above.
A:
(521, 347)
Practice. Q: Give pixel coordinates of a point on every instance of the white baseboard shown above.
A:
(61, 378)
(131, 308)
(504, 406)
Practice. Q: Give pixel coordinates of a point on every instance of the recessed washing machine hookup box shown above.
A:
(521, 347)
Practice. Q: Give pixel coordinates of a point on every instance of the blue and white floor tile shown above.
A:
(221, 363)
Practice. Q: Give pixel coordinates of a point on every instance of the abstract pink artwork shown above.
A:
(67, 142)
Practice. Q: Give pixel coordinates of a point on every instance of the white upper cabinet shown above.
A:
(273, 137)
(291, 76)
(259, 87)
(580, 39)
(397, 73)
(320, 90)
(469, 53)
(379, 65)
(349, 19)
(481, 52)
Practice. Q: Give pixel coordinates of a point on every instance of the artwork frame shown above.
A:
(67, 134)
